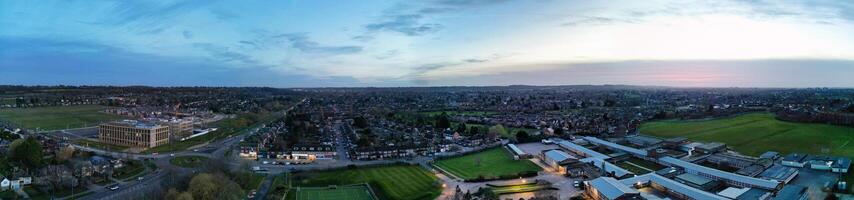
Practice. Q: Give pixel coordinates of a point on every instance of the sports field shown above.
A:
(55, 118)
(399, 182)
(354, 192)
(494, 163)
(755, 133)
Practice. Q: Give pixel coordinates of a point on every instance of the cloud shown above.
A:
(301, 42)
(407, 24)
(580, 20)
(187, 34)
(224, 15)
(224, 54)
(147, 17)
(388, 54)
(409, 19)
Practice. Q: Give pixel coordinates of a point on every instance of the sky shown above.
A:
(317, 43)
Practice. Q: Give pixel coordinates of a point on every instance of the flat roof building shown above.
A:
(607, 188)
(715, 174)
(557, 159)
(133, 133)
(794, 160)
(780, 173)
(669, 186)
(695, 181)
(638, 152)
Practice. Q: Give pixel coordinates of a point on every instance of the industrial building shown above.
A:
(133, 133)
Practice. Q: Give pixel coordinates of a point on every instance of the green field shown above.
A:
(354, 192)
(401, 182)
(55, 118)
(188, 161)
(494, 163)
(755, 133)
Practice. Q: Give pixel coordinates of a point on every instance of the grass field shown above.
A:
(755, 133)
(354, 192)
(188, 161)
(55, 118)
(493, 163)
(401, 182)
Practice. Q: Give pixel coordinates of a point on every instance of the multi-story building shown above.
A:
(133, 133)
(179, 128)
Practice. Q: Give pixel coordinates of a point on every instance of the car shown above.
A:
(173, 155)
(113, 187)
(140, 178)
(195, 150)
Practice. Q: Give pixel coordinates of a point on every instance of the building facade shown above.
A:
(133, 133)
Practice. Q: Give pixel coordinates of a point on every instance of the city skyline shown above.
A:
(428, 43)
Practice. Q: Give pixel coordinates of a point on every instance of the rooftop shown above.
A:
(778, 172)
(671, 185)
(611, 188)
(768, 184)
(589, 152)
(557, 155)
(615, 146)
(694, 179)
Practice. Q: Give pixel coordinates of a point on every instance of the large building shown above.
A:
(179, 128)
(133, 133)
(715, 174)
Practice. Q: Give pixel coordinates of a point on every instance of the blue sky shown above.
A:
(428, 43)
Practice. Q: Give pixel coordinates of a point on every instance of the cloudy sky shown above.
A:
(428, 43)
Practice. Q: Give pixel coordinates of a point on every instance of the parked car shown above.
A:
(113, 187)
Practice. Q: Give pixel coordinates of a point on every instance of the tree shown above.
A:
(26, 152)
(203, 186)
(461, 128)
(522, 136)
(172, 194)
(442, 121)
(558, 131)
(65, 154)
(185, 196)
(8, 136)
(360, 122)
(495, 131)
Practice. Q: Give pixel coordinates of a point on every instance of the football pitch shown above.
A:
(494, 162)
(755, 133)
(354, 192)
(397, 182)
(59, 117)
